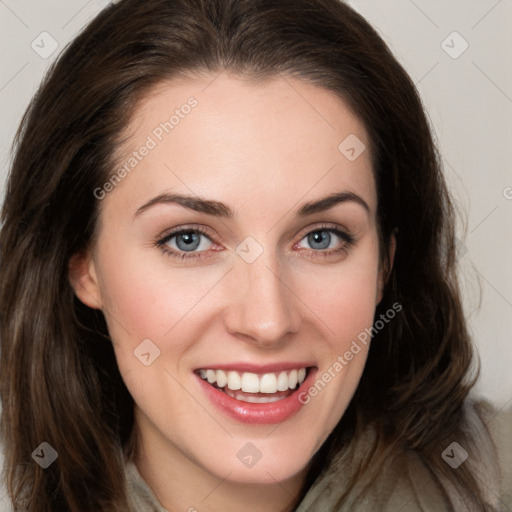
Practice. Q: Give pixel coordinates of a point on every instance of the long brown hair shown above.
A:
(59, 379)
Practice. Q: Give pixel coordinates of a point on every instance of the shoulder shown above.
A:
(486, 453)
(140, 496)
(405, 482)
(498, 423)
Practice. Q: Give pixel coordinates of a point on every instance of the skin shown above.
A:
(264, 150)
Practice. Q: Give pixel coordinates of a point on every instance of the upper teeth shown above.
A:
(253, 383)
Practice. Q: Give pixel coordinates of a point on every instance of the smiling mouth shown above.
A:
(255, 388)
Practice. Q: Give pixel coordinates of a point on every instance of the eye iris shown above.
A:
(188, 241)
(320, 237)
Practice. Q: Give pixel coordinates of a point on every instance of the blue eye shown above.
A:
(194, 242)
(188, 240)
(321, 239)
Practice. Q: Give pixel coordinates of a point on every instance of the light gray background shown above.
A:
(469, 99)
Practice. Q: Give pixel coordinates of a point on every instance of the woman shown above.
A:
(228, 274)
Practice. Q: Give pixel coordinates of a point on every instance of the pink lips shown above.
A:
(266, 413)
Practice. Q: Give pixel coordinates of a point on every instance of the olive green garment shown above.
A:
(405, 484)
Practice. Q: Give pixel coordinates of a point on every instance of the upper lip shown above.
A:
(253, 368)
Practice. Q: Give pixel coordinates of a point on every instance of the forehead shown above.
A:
(222, 136)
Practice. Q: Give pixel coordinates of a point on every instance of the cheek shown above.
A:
(144, 297)
(350, 309)
(344, 298)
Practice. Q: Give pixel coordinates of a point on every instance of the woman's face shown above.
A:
(270, 280)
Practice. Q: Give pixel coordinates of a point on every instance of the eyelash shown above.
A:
(346, 237)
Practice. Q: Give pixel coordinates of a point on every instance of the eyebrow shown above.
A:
(219, 209)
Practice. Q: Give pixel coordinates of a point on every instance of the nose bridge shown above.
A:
(263, 307)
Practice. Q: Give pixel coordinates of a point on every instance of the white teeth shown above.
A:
(234, 381)
(268, 383)
(292, 379)
(282, 381)
(250, 383)
(222, 378)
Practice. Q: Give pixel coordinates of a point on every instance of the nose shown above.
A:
(263, 309)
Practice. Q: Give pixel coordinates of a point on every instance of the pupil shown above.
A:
(187, 241)
(322, 238)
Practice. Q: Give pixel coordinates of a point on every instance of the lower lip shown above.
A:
(245, 412)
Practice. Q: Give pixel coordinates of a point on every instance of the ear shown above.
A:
(83, 279)
(384, 273)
